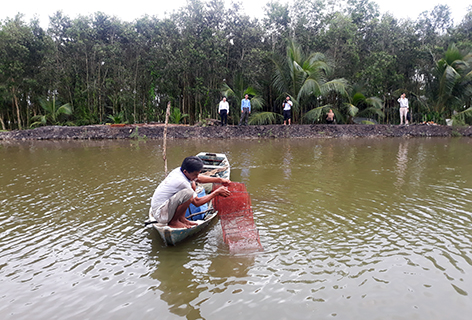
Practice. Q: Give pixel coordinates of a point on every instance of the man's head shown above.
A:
(246, 96)
(288, 98)
(191, 167)
(403, 95)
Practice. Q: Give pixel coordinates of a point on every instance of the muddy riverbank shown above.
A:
(155, 131)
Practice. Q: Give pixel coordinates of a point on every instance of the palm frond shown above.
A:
(261, 118)
(375, 102)
(257, 102)
(358, 98)
(460, 117)
(39, 120)
(64, 109)
(370, 111)
(315, 114)
(310, 87)
(351, 110)
(337, 85)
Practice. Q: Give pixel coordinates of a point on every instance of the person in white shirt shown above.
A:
(173, 195)
(223, 111)
(403, 108)
(287, 105)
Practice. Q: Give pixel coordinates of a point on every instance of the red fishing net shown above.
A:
(237, 221)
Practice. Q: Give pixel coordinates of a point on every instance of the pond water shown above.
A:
(351, 229)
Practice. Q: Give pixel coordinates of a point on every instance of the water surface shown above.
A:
(352, 229)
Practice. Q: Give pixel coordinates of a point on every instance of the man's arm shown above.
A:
(222, 191)
(206, 179)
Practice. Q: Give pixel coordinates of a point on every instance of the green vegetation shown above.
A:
(176, 116)
(135, 135)
(117, 118)
(347, 57)
(52, 113)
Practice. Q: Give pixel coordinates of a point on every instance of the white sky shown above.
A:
(129, 11)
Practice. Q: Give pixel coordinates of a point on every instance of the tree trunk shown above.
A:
(135, 86)
(164, 148)
(15, 100)
(87, 80)
(2, 122)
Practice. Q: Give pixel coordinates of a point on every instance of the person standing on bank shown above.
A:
(403, 108)
(173, 196)
(245, 110)
(223, 111)
(330, 117)
(287, 105)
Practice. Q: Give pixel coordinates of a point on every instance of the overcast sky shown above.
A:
(129, 11)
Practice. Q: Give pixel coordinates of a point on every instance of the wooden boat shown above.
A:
(172, 236)
(214, 165)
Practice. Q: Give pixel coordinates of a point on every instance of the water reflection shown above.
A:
(177, 284)
(402, 161)
(188, 278)
(287, 162)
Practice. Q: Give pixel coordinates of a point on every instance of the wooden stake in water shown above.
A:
(164, 151)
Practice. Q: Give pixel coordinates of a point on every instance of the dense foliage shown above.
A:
(344, 56)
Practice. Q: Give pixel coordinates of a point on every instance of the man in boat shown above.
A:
(173, 195)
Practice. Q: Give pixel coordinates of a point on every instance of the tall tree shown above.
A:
(454, 81)
(301, 76)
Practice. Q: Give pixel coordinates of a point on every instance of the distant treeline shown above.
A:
(346, 57)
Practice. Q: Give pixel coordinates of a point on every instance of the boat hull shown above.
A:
(172, 236)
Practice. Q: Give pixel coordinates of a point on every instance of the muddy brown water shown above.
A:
(351, 229)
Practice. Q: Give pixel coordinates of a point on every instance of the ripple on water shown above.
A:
(348, 231)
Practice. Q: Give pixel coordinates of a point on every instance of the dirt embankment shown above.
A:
(155, 131)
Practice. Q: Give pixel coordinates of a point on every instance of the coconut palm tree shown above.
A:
(52, 112)
(300, 75)
(359, 105)
(454, 88)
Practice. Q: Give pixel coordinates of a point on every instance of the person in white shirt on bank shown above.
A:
(403, 108)
(223, 111)
(287, 105)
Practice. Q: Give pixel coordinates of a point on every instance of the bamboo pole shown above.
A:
(164, 151)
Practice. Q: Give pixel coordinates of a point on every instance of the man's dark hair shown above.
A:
(191, 164)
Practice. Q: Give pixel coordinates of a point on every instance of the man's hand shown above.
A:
(225, 181)
(223, 191)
